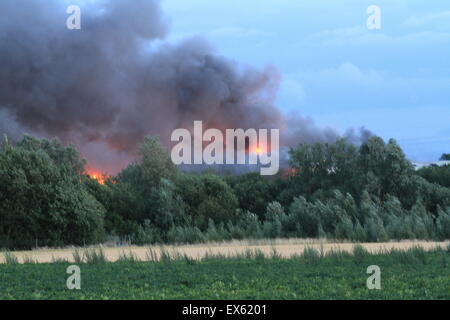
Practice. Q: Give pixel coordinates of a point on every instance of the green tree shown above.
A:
(385, 169)
(302, 214)
(253, 191)
(43, 200)
(436, 174)
(219, 202)
(443, 224)
(324, 166)
(155, 163)
(207, 196)
(145, 193)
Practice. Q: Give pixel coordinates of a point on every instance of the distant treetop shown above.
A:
(445, 157)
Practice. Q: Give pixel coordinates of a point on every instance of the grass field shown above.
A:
(285, 247)
(405, 274)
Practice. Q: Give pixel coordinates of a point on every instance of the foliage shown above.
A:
(332, 190)
(411, 274)
(42, 198)
(436, 174)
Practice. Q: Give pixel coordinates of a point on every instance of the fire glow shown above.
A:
(96, 175)
(235, 151)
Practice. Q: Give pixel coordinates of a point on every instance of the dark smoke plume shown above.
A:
(106, 86)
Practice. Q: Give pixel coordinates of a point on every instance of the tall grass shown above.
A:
(59, 260)
(10, 258)
(164, 255)
(151, 254)
(127, 257)
(274, 254)
(210, 256)
(338, 256)
(95, 256)
(29, 260)
(259, 255)
(77, 256)
(413, 256)
(360, 253)
(311, 255)
(189, 260)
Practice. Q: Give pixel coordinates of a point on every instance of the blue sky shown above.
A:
(395, 81)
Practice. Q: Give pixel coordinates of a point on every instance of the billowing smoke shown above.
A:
(106, 86)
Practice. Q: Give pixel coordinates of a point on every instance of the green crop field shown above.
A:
(411, 274)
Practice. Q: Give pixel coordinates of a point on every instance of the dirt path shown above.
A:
(285, 248)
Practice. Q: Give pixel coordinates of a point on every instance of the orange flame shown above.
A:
(97, 175)
(258, 150)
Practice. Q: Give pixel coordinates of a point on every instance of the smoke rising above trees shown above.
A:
(106, 86)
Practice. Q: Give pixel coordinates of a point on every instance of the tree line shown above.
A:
(335, 190)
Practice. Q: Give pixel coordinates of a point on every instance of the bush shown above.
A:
(399, 228)
(344, 228)
(181, 235)
(443, 224)
(272, 227)
(215, 234)
(146, 234)
(250, 225)
(375, 230)
(43, 199)
(302, 212)
(360, 234)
